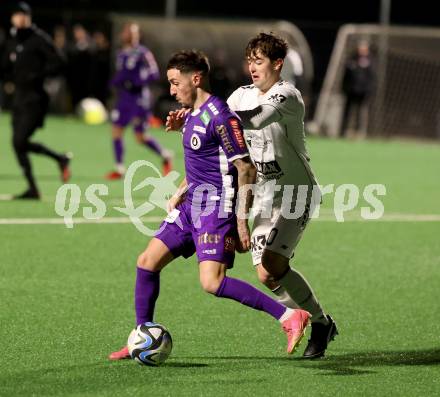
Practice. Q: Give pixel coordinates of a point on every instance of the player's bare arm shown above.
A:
(246, 176)
(179, 196)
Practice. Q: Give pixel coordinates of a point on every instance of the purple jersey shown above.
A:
(212, 140)
(136, 67)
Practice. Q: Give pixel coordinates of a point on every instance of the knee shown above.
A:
(211, 283)
(117, 132)
(146, 261)
(265, 278)
(19, 143)
(274, 264)
(140, 137)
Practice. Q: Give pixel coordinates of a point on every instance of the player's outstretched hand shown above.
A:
(175, 120)
(244, 236)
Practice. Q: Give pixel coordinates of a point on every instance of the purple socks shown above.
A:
(248, 295)
(118, 149)
(147, 291)
(145, 294)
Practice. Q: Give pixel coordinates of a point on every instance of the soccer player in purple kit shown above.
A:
(136, 68)
(217, 162)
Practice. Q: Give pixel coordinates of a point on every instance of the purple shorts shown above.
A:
(130, 111)
(212, 238)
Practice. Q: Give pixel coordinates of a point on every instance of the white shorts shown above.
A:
(277, 234)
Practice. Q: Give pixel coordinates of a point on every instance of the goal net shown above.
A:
(406, 96)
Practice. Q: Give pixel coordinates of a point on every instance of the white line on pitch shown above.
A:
(396, 217)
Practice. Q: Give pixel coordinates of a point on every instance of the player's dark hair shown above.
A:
(270, 45)
(188, 61)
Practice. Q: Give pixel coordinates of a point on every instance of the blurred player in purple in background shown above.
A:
(217, 162)
(136, 68)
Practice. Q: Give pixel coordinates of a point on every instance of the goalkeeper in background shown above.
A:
(136, 68)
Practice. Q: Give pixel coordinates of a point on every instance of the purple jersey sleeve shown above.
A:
(229, 133)
(120, 75)
(148, 70)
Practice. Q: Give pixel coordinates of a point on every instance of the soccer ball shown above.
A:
(92, 111)
(150, 344)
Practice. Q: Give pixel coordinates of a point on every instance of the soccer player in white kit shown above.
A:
(272, 114)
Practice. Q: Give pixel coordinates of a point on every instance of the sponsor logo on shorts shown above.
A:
(238, 133)
(258, 243)
(210, 252)
(207, 238)
(229, 244)
(221, 129)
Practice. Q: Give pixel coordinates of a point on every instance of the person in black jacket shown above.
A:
(29, 59)
(358, 83)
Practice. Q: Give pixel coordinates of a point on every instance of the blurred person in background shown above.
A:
(56, 86)
(29, 59)
(220, 75)
(100, 67)
(357, 86)
(136, 68)
(79, 65)
(2, 78)
(293, 69)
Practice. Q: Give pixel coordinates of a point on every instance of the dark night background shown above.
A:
(318, 20)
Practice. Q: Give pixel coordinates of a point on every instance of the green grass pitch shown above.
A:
(66, 295)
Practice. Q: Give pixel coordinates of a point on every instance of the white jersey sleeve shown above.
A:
(282, 101)
(285, 99)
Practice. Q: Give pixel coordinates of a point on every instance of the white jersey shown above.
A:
(278, 149)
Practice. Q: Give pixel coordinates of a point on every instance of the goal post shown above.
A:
(406, 97)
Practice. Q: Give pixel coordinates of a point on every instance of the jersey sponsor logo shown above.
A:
(258, 243)
(195, 142)
(207, 238)
(238, 133)
(205, 117)
(200, 129)
(213, 108)
(277, 98)
(222, 131)
(269, 170)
